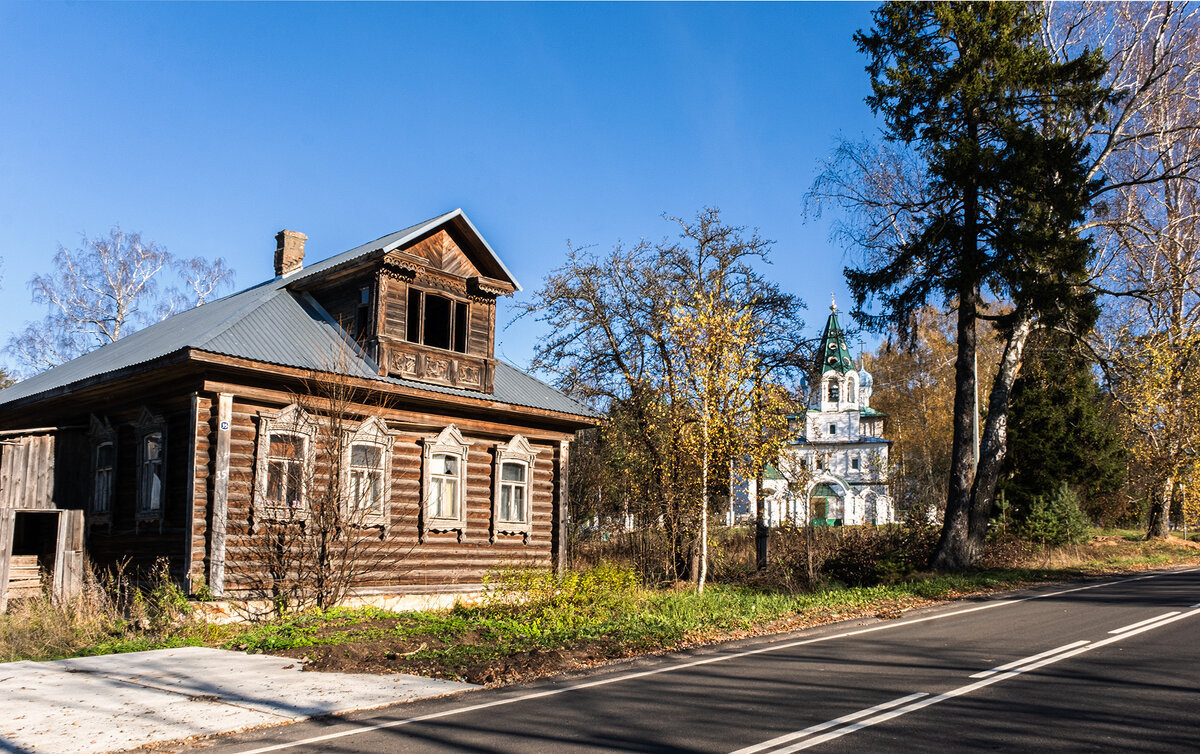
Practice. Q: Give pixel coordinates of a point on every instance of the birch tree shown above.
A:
(1149, 228)
(633, 332)
(106, 289)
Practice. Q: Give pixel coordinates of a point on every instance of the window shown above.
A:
(833, 429)
(512, 491)
(285, 470)
(443, 485)
(367, 463)
(151, 432)
(102, 486)
(833, 391)
(820, 463)
(512, 500)
(362, 314)
(104, 467)
(284, 463)
(854, 462)
(850, 389)
(437, 321)
(150, 491)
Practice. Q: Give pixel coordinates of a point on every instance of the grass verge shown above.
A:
(539, 624)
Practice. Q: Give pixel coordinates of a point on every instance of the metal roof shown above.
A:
(271, 324)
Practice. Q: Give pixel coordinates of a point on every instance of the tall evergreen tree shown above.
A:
(970, 90)
(1062, 429)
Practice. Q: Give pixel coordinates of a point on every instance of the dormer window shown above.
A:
(437, 321)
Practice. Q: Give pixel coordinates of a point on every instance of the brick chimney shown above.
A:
(289, 251)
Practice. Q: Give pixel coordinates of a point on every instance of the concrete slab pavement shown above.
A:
(89, 705)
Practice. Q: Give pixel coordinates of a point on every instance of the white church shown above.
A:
(834, 469)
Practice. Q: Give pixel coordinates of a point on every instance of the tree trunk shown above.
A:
(762, 535)
(703, 511)
(995, 436)
(1160, 510)
(952, 549)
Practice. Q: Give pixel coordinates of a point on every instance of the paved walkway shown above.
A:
(117, 702)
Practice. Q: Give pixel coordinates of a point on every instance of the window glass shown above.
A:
(444, 481)
(152, 473)
(414, 316)
(833, 429)
(512, 492)
(285, 456)
(437, 321)
(854, 462)
(460, 327)
(366, 477)
(106, 457)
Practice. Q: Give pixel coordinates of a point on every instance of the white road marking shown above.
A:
(1123, 629)
(1022, 661)
(683, 666)
(831, 724)
(1026, 665)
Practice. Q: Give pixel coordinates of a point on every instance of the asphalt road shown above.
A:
(1109, 665)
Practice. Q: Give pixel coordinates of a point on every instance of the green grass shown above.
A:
(603, 610)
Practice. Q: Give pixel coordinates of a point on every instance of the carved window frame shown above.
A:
(102, 434)
(517, 450)
(149, 425)
(449, 442)
(291, 421)
(372, 432)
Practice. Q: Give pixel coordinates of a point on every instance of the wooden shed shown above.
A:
(368, 379)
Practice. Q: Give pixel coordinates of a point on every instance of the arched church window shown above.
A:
(834, 391)
(850, 389)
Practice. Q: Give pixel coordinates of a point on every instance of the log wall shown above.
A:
(396, 556)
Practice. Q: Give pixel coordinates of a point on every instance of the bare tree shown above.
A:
(1149, 225)
(322, 514)
(104, 290)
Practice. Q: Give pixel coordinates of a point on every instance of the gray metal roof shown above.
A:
(270, 323)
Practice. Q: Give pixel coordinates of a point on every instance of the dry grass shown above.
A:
(113, 609)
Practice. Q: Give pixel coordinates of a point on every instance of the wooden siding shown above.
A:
(27, 472)
(401, 558)
(444, 254)
(121, 538)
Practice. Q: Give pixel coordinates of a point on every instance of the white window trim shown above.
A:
(449, 442)
(149, 423)
(516, 450)
(102, 433)
(373, 431)
(851, 390)
(292, 420)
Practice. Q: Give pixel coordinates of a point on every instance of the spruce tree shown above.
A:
(1061, 430)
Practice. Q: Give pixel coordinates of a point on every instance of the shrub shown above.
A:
(871, 555)
(1055, 519)
(566, 600)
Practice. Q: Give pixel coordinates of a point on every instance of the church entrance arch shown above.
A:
(827, 501)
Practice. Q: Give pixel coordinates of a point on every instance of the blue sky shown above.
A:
(209, 127)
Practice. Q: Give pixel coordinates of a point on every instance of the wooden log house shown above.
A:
(180, 440)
